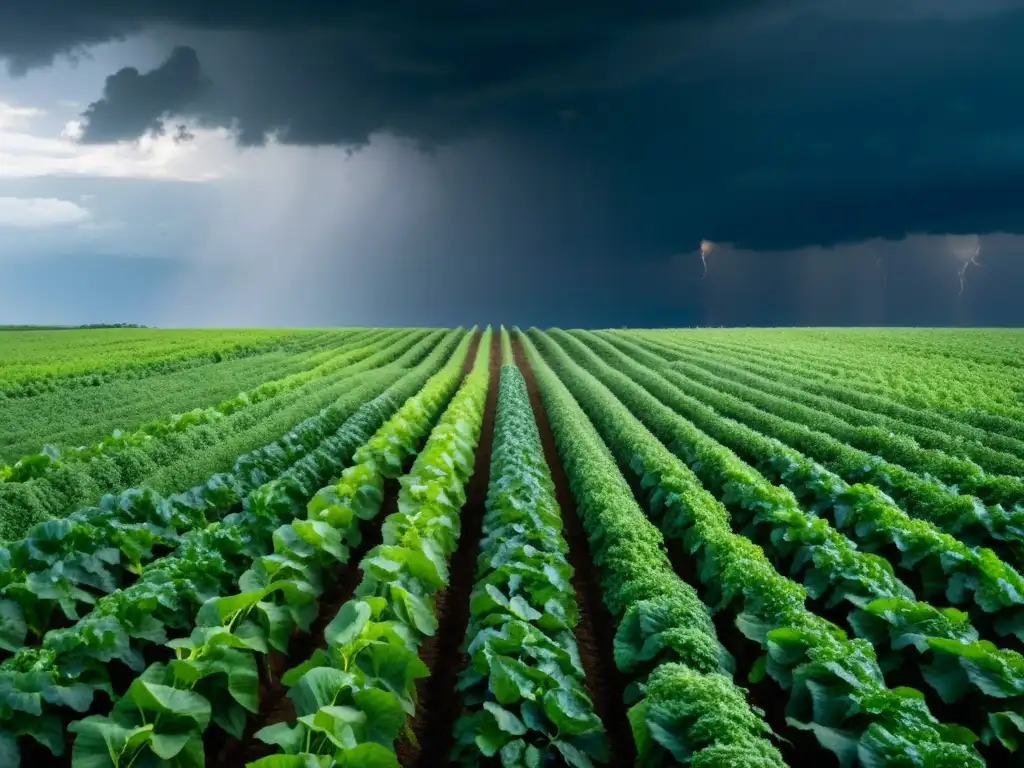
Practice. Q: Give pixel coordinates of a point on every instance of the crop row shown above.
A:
(64, 564)
(214, 675)
(72, 417)
(684, 704)
(833, 569)
(51, 457)
(523, 691)
(836, 687)
(353, 699)
(180, 459)
(878, 439)
(961, 516)
(976, 395)
(822, 380)
(127, 625)
(900, 441)
(40, 362)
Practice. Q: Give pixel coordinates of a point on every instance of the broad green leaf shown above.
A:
(164, 700)
(348, 623)
(505, 719)
(319, 687)
(98, 737)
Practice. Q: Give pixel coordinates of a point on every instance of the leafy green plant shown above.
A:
(208, 564)
(523, 694)
(829, 676)
(353, 699)
(662, 624)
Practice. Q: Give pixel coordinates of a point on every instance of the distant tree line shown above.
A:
(87, 326)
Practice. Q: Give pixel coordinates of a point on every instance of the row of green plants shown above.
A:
(215, 673)
(64, 565)
(832, 568)
(867, 428)
(51, 457)
(180, 459)
(55, 361)
(959, 515)
(972, 577)
(683, 704)
(823, 380)
(816, 379)
(128, 626)
(836, 686)
(353, 700)
(523, 693)
(978, 395)
(881, 440)
(73, 417)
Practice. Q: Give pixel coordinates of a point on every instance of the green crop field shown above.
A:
(419, 547)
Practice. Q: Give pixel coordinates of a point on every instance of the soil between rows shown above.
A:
(595, 631)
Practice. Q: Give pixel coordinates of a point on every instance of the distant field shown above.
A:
(702, 547)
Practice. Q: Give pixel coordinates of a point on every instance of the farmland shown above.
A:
(418, 547)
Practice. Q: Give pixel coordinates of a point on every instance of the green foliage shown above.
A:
(178, 459)
(830, 677)
(267, 549)
(661, 621)
(523, 690)
(353, 700)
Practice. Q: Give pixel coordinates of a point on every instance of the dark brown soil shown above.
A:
(595, 631)
(439, 705)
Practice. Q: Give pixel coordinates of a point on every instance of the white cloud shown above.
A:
(12, 117)
(25, 153)
(38, 212)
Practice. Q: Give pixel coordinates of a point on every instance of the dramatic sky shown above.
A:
(191, 162)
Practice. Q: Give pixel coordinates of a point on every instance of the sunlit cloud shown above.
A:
(209, 154)
(32, 213)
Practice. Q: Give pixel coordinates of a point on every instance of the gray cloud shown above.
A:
(134, 103)
(770, 125)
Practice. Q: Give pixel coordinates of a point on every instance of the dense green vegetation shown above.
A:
(415, 547)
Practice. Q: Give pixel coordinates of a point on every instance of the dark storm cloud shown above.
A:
(133, 103)
(771, 124)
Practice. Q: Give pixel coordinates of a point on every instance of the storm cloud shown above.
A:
(765, 125)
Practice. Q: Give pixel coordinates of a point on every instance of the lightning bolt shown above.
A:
(706, 247)
(963, 269)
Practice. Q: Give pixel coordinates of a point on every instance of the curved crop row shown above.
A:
(833, 570)
(51, 457)
(821, 380)
(134, 353)
(363, 684)
(941, 563)
(64, 564)
(836, 686)
(881, 440)
(961, 516)
(684, 703)
(73, 663)
(865, 426)
(59, 492)
(73, 417)
(168, 708)
(968, 396)
(523, 611)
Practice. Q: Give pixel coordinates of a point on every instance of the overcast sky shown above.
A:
(196, 163)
